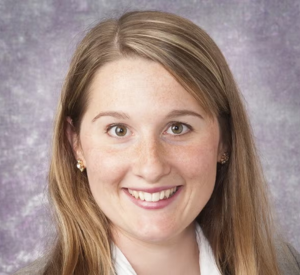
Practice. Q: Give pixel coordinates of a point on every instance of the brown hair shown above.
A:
(236, 220)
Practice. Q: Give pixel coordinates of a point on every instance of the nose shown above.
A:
(150, 161)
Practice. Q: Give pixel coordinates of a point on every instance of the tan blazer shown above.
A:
(287, 267)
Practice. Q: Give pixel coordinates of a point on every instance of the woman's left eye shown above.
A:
(178, 128)
(118, 130)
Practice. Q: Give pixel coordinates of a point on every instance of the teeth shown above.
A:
(148, 197)
(141, 195)
(135, 194)
(144, 196)
(155, 196)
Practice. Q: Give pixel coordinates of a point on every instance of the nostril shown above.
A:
(151, 171)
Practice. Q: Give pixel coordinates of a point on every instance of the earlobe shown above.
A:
(73, 139)
(223, 154)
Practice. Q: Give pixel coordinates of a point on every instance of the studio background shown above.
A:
(260, 39)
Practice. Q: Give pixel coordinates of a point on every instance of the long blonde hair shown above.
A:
(237, 220)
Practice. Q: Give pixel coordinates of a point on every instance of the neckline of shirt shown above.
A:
(207, 261)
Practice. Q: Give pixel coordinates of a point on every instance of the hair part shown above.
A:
(237, 220)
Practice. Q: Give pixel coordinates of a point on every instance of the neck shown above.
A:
(179, 255)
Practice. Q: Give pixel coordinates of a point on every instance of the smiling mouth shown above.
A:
(153, 197)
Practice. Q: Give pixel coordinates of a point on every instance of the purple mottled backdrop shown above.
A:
(260, 40)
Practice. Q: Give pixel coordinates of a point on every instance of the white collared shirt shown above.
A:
(207, 262)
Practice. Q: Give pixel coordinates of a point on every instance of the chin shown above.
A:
(155, 233)
(154, 237)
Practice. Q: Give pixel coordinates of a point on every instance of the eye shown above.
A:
(117, 130)
(178, 128)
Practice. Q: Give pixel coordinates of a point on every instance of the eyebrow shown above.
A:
(119, 115)
(174, 113)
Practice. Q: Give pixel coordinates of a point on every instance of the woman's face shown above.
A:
(149, 149)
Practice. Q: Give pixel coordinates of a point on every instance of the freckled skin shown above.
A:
(150, 155)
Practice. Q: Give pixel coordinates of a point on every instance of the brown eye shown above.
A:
(120, 131)
(177, 128)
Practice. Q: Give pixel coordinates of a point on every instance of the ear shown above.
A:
(74, 140)
(223, 148)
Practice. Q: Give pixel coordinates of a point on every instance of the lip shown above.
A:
(154, 190)
(151, 205)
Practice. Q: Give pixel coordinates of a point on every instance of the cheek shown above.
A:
(198, 168)
(198, 161)
(105, 168)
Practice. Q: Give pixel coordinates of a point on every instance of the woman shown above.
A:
(154, 170)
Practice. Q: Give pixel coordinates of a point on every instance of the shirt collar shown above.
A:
(207, 261)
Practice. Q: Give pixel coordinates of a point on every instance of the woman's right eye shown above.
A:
(118, 130)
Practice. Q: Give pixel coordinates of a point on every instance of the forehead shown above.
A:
(136, 81)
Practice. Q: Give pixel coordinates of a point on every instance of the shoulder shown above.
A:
(288, 259)
(35, 268)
